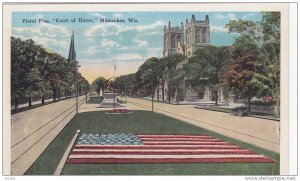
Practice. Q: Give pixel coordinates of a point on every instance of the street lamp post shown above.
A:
(152, 90)
(114, 87)
(76, 83)
(125, 92)
(152, 95)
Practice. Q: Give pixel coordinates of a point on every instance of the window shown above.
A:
(204, 35)
(203, 38)
(166, 43)
(173, 42)
(198, 35)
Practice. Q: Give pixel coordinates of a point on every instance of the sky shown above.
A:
(100, 45)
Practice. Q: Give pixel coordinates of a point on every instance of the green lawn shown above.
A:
(95, 100)
(142, 122)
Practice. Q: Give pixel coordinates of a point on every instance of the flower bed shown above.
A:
(118, 111)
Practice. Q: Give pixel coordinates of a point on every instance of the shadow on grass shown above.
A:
(142, 122)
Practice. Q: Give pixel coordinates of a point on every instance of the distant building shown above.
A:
(186, 39)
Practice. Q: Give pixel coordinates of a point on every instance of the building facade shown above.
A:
(186, 39)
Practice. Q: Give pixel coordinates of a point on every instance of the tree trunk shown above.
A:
(163, 90)
(157, 92)
(59, 95)
(169, 94)
(29, 100)
(54, 92)
(16, 103)
(277, 94)
(216, 97)
(249, 104)
(43, 100)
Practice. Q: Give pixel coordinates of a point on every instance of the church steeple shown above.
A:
(72, 53)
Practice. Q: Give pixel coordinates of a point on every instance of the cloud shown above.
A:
(99, 15)
(109, 43)
(220, 29)
(150, 26)
(117, 15)
(230, 16)
(154, 52)
(90, 50)
(116, 58)
(249, 15)
(109, 29)
(127, 57)
(43, 30)
(47, 42)
(151, 33)
(49, 36)
(138, 42)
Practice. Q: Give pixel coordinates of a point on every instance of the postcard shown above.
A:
(146, 89)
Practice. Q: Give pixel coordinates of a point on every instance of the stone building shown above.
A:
(186, 39)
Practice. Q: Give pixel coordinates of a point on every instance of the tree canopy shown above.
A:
(39, 72)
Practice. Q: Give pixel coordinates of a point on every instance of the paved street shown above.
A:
(33, 130)
(260, 132)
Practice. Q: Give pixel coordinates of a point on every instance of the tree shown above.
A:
(24, 75)
(162, 74)
(245, 72)
(147, 74)
(266, 36)
(36, 71)
(18, 68)
(98, 84)
(171, 63)
(206, 67)
(128, 80)
(176, 80)
(83, 85)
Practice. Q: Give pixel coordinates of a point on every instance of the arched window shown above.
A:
(173, 41)
(204, 36)
(198, 35)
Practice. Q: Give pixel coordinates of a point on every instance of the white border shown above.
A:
(177, 7)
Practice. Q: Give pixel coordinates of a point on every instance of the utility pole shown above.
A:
(125, 92)
(114, 85)
(152, 90)
(76, 83)
(76, 89)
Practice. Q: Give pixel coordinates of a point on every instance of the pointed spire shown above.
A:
(207, 19)
(186, 21)
(193, 18)
(165, 28)
(182, 25)
(72, 53)
(169, 26)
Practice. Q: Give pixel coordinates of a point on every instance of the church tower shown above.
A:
(173, 37)
(197, 35)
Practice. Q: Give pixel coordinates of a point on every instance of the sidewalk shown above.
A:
(256, 131)
(33, 130)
